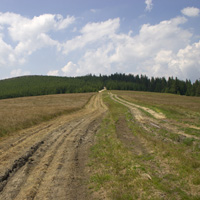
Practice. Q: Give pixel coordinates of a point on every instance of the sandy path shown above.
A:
(147, 122)
(152, 112)
(49, 161)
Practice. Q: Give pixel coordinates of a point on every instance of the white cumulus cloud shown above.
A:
(92, 33)
(191, 11)
(19, 72)
(157, 50)
(28, 34)
(96, 61)
(53, 73)
(166, 35)
(21, 28)
(162, 49)
(188, 61)
(6, 53)
(185, 63)
(149, 5)
(69, 69)
(93, 10)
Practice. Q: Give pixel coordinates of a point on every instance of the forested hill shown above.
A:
(43, 85)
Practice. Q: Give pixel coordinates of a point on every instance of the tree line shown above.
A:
(162, 85)
(44, 85)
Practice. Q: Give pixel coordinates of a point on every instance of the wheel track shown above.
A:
(15, 148)
(50, 144)
(147, 122)
(68, 161)
(144, 151)
(52, 170)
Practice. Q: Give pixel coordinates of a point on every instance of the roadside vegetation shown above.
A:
(134, 159)
(20, 113)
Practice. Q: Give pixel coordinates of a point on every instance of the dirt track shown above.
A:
(48, 161)
(155, 122)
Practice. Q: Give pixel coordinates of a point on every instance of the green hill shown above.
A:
(43, 85)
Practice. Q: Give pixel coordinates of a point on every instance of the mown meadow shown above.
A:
(23, 112)
(147, 158)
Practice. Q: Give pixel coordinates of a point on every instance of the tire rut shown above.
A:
(50, 144)
(54, 167)
(17, 165)
(147, 122)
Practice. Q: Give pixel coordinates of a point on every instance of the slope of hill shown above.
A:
(120, 145)
(43, 85)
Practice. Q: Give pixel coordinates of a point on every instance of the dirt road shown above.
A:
(155, 121)
(48, 161)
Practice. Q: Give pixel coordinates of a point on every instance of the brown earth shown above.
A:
(49, 161)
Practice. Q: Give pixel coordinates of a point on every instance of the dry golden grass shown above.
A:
(19, 113)
(185, 102)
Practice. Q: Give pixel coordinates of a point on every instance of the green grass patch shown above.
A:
(123, 174)
(114, 168)
(196, 181)
(192, 131)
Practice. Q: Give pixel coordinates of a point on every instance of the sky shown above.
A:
(157, 38)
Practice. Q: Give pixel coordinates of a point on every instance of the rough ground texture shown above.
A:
(161, 148)
(48, 161)
(147, 122)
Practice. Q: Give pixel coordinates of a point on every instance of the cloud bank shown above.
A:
(29, 35)
(162, 49)
(158, 50)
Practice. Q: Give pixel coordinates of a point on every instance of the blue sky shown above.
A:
(73, 38)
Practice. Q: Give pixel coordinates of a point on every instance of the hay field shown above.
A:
(19, 113)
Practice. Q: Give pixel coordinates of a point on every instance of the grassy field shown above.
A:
(180, 108)
(147, 157)
(148, 145)
(19, 113)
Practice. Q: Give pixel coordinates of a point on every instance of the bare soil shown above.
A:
(49, 161)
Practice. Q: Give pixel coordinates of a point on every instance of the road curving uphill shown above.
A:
(48, 161)
(155, 122)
